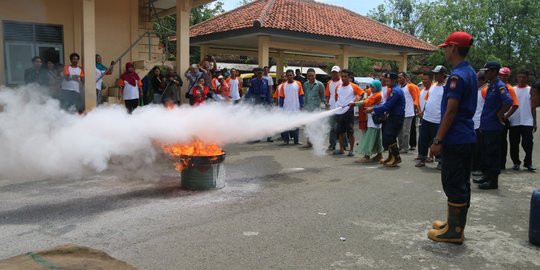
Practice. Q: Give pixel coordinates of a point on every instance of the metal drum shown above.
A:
(203, 172)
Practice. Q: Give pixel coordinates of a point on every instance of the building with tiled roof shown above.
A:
(303, 29)
(308, 17)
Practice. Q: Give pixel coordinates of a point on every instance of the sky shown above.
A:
(358, 6)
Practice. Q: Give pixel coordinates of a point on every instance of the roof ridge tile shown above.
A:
(259, 22)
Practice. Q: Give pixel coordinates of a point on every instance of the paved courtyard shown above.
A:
(282, 208)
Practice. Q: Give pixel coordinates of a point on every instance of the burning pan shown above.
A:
(203, 172)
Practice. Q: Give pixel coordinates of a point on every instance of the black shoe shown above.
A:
(269, 140)
(515, 167)
(491, 183)
(530, 168)
(331, 148)
(439, 166)
(480, 180)
(488, 185)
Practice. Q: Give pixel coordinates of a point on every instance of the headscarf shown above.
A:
(130, 77)
(377, 85)
(100, 66)
(151, 72)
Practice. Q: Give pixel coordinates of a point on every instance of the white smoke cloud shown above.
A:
(39, 140)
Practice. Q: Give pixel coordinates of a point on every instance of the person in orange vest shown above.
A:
(291, 99)
(371, 143)
(345, 95)
(413, 142)
(72, 83)
(330, 104)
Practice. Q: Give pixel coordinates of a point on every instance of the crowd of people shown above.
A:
(464, 118)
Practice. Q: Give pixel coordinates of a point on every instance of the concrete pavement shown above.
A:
(282, 208)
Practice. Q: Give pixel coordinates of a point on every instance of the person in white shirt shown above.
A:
(346, 95)
(291, 99)
(101, 71)
(411, 109)
(266, 75)
(235, 86)
(70, 93)
(431, 115)
(130, 87)
(427, 81)
(523, 124)
(476, 166)
(330, 103)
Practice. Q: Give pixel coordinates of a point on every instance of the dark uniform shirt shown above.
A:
(32, 75)
(259, 90)
(463, 86)
(496, 97)
(394, 105)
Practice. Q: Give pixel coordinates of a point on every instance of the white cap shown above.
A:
(439, 69)
(336, 69)
(194, 66)
(220, 77)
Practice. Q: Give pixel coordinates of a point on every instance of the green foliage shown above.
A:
(166, 27)
(505, 31)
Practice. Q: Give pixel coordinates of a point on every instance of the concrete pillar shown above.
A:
(204, 51)
(134, 26)
(89, 52)
(264, 51)
(280, 62)
(183, 11)
(343, 59)
(403, 62)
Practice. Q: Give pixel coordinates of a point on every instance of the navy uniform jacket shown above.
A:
(496, 97)
(394, 105)
(259, 90)
(463, 86)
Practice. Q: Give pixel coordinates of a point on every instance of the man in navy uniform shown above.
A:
(395, 108)
(492, 122)
(455, 138)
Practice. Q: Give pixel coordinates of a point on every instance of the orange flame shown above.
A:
(196, 148)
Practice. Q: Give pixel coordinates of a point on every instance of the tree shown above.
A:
(166, 27)
(244, 2)
(505, 31)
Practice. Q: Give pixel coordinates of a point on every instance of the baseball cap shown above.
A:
(505, 71)
(491, 65)
(257, 70)
(391, 75)
(220, 77)
(439, 69)
(336, 69)
(194, 66)
(458, 39)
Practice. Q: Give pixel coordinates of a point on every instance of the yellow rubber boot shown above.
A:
(453, 232)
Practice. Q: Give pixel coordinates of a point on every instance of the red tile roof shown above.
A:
(309, 17)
